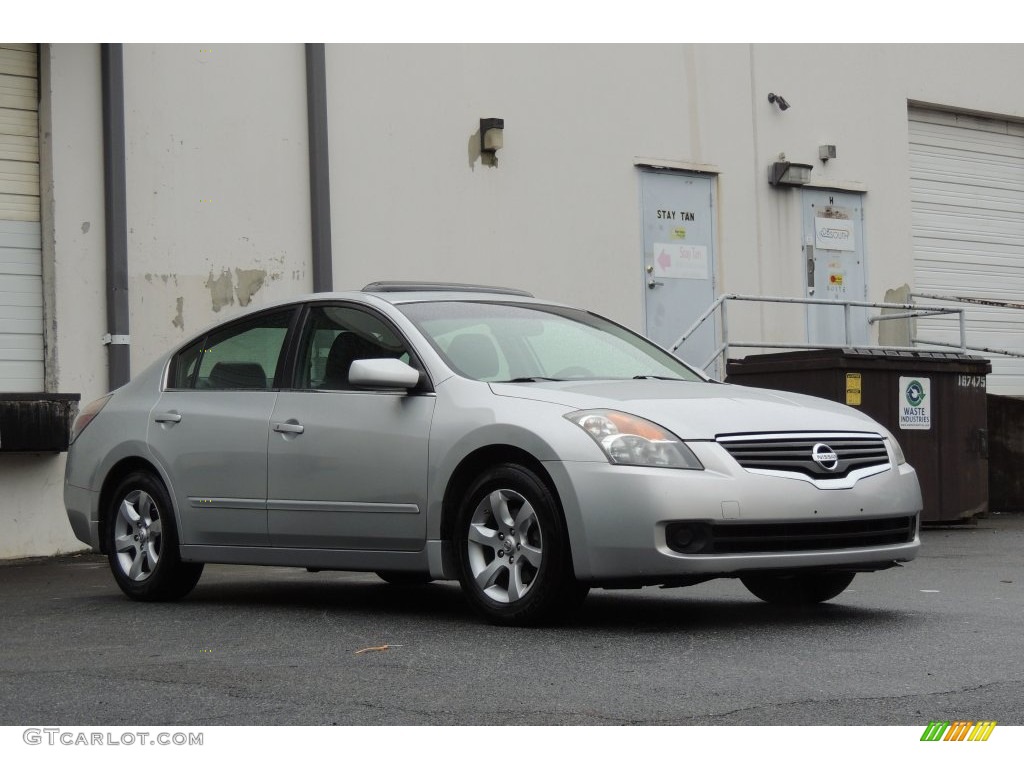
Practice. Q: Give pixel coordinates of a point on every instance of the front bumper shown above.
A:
(617, 517)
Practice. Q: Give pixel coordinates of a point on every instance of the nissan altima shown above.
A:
(528, 449)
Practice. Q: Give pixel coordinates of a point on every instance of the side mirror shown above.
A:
(383, 373)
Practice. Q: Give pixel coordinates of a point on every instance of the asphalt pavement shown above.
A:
(939, 639)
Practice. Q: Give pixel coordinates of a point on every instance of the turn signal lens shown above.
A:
(896, 451)
(630, 440)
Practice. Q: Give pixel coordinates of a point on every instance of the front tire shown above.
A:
(513, 550)
(806, 589)
(142, 541)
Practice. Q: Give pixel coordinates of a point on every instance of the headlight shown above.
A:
(630, 440)
(897, 452)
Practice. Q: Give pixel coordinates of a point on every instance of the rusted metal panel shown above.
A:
(1006, 453)
(950, 457)
(35, 422)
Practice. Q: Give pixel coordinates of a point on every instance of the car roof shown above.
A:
(410, 293)
(406, 292)
(408, 286)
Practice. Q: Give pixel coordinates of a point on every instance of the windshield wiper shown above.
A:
(659, 378)
(527, 379)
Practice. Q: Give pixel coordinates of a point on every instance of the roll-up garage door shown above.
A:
(967, 194)
(21, 282)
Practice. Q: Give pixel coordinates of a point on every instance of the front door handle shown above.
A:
(289, 428)
(652, 283)
(165, 418)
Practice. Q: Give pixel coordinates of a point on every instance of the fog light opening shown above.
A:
(687, 538)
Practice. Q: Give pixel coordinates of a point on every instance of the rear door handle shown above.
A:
(164, 418)
(289, 428)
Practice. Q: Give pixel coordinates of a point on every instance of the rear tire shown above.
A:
(142, 541)
(806, 589)
(513, 553)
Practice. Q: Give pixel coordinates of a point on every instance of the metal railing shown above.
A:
(910, 310)
(976, 301)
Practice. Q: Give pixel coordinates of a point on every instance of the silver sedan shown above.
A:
(528, 449)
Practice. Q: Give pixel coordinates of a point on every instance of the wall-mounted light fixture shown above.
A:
(491, 136)
(786, 174)
(774, 98)
(827, 152)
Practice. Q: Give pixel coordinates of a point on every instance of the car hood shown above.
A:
(699, 410)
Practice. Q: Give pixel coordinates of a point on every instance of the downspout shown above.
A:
(319, 167)
(320, 170)
(114, 196)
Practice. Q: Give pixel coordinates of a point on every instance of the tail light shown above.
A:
(87, 414)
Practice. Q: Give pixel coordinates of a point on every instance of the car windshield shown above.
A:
(510, 342)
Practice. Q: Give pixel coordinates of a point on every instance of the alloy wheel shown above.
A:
(505, 546)
(138, 535)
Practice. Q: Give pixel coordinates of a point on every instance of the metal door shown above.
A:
(347, 466)
(833, 251)
(679, 260)
(209, 430)
(21, 271)
(214, 446)
(348, 470)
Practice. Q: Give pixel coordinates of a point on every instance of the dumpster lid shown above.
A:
(861, 358)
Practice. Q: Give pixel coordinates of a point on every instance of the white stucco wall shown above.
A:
(218, 190)
(218, 217)
(856, 97)
(218, 186)
(560, 214)
(32, 520)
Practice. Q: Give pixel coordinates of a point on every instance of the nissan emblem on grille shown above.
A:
(825, 457)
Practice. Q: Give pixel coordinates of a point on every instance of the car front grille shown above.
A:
(789, 453)
(745, 538)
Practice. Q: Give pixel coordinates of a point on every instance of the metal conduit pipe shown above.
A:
(117, 338)
(319, 167)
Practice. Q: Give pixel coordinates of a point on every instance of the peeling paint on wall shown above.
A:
(149, 278)
(221, 290)
(179, 319)
(897, 333)
(249, 281)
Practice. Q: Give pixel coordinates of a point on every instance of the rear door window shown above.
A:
(242, 356)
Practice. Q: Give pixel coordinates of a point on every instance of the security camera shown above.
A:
(776, 99)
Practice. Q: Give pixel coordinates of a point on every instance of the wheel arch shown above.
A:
(114, 476)
(473, 465)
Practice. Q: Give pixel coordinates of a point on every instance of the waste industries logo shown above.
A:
(915, 393)
(958, 730)
(915, 403)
